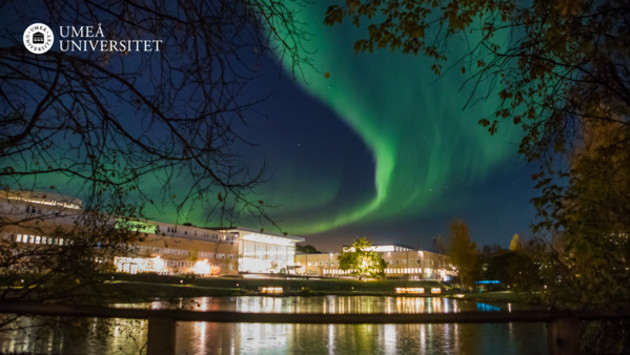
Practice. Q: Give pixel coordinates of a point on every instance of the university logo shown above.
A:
(38, 38)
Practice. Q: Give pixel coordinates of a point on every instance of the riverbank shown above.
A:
(134, 288)
(500, 297)
(145, 287)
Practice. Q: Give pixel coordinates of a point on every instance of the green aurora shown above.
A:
(424, 145)
(421, 153)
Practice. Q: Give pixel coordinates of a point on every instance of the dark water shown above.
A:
(117, 336)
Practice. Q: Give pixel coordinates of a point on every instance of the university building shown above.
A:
(164, 248)
(402, 262)
(187, 249)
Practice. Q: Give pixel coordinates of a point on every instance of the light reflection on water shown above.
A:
(254, 338)
(129, 336)
(323, 304)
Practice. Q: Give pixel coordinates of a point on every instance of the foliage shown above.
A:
(490, 250)
(591, 217)
(55, 272)
(306, 249)
(515, 243)
(554, 64)
(125, 129)
(361, 260)
(439, 246)
(561, 71)
(115, 122)
(586, 259)
(514, 269)
(463, 252)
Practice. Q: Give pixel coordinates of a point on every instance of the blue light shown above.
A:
(482, 307)
(487, 282)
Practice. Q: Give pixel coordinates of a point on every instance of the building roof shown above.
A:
(251, 230)
(49, 198)
(379, 248)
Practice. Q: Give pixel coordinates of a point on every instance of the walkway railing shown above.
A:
(562, 326)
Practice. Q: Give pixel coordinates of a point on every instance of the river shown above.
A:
(119, 336)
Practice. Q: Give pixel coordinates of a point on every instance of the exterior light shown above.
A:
(201, 268)
(272, 290)
(409, 290)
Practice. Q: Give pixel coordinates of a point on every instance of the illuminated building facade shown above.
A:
(181, 249)
(402, 262)
(260, 252)
(164, 248)
(33, 212)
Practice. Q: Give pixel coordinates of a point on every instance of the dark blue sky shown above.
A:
(381, 147)
(319, 167)
(372, 145)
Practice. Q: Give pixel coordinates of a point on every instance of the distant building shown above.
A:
(402, 262)
(165, 248)
(260, 252)
(26, 216)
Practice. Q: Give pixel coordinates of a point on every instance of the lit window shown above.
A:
(38, 239)
(18, 238)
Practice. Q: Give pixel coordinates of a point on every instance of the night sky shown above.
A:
(380, 147)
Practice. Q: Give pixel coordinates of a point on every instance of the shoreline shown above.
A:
(139, 288)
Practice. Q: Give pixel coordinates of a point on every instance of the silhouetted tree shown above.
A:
(555, 64)
(463, 252)
(561, 70)
(439, 246)
(586, 263)
(489, 250)
(514, 269)
(125, 128)
(306, 249)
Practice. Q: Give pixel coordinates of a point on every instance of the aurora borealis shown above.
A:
(427, 157)
(371, 144)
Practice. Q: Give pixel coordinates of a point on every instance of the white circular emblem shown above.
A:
(38, 38)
